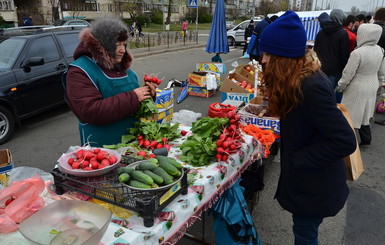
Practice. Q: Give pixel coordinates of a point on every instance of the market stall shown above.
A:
(205, 186)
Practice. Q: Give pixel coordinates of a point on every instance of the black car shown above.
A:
(32, 62)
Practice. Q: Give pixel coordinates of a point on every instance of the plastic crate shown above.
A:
(107, 188)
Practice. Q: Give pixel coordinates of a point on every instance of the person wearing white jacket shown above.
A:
(361, 78)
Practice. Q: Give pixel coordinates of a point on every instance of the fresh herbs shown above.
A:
(147, 109)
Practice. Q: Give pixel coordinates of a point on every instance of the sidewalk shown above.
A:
(143, 52)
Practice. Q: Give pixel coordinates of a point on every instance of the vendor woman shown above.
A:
(101, 88)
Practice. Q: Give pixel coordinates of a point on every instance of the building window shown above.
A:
(79, 6)
(5, 5)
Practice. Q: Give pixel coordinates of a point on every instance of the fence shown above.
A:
(168, 38)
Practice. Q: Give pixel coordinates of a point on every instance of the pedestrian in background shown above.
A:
(184, 28)
(361, 78)
(139, 27)
(332, 47)
(248, 32)
(361, 19)
(253, 46)
(27, 21)
(315, 136)
(348, 26)
(101, 88)
(379, 19)
(323, 18)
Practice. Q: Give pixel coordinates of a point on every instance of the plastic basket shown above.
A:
(107, 188)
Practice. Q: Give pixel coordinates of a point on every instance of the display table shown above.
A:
(206, 185)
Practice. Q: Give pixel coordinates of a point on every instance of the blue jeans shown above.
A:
(306, 230)
(334, 79)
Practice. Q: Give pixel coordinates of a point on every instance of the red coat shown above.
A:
(352, 38)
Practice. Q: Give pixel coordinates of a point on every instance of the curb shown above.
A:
(165, 50)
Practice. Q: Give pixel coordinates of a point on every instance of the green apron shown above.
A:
(99, 135)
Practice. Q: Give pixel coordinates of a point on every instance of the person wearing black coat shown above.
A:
(332, 47)
(248, 32)
(315, 136)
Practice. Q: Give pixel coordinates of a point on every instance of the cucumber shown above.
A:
(162, 173)
(146, 165)
(126, 170)
(138, 184)
(124, 178)
(154, 160)
(142, 177)
(169, 168)
(157, 179)
(170, 160)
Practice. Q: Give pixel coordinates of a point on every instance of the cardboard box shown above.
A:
(6, 166)
(216, 67)
(162, 117)
(164, 99)
(229, 85)
(199, 91)
(245, 97)
(242, 70)
(199, 78)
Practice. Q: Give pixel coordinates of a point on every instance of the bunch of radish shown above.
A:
(151, 145)
(145, 155)
(91, 159)
(230, 140)
(152, 79)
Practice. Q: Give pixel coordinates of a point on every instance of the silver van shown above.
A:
(236, 35)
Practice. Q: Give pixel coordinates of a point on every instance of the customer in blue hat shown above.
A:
(315, 136)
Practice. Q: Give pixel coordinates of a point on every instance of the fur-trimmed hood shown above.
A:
(91, 47)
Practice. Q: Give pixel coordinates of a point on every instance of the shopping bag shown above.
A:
(353, 162)
(233, 224)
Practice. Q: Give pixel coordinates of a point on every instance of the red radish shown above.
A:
(167, 147)
(232, 121)
(233, 147)
(220, 150)
(101, 155)
(218, 157)
(113, 159)
(71, 160)
(96, 150)
(159, 145)
(94, 164)
(140, 137)
(75, 165)
(147, 78)
(232, 127)
(164, 140)
(226, 144)
(154, 80)
(152, 155)
(146, 143)
(141, 142)
(219, 143)
(79, 153)
(225, 157)
(153, 144)
(142, 154)
(88, 155)
(87, 168)
(183, 132)
(222, 137)
(106, 162)
(231, 114)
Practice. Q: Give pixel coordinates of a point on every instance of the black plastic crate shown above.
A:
(108, 188)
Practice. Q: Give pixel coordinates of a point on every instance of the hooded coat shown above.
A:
(363, 75)
(332, 45)
(83, 96)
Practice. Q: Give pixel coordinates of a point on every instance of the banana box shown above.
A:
(216, 67)
(199, 78)
(164, 100)
(6, 166)
(162, 117)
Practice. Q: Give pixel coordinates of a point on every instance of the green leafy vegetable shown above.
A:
(209, 127)
(147, 109)
(198, 151)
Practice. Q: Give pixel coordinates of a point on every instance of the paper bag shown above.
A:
(353, 162)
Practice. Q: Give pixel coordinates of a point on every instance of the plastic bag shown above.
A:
(211, 81)
(220, 110)
(22, 173)
(19, 201)
(186, 117)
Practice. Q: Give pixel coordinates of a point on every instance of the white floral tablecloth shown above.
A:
(207, 185)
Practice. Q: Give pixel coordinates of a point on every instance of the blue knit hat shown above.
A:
(284, 37)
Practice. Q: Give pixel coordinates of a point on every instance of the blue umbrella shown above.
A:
(217, 42)
(183, 93)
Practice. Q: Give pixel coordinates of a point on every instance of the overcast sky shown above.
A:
(346, 5)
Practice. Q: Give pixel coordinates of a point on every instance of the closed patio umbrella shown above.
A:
(217, 42)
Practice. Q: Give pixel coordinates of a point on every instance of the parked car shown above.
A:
(229, 25)
(31, 65)
(236, 35)
(71, 22)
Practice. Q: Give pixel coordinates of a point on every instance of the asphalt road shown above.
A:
(43, 138)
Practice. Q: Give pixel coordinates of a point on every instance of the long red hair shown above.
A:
(283, 76)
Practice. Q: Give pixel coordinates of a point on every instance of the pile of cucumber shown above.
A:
(151, 173)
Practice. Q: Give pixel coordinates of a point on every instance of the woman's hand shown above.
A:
(143, 93)
(152, 87)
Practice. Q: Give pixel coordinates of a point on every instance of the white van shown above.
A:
(236, 35)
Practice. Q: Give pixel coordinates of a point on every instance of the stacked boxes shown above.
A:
(165, 104)
(6, 166)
